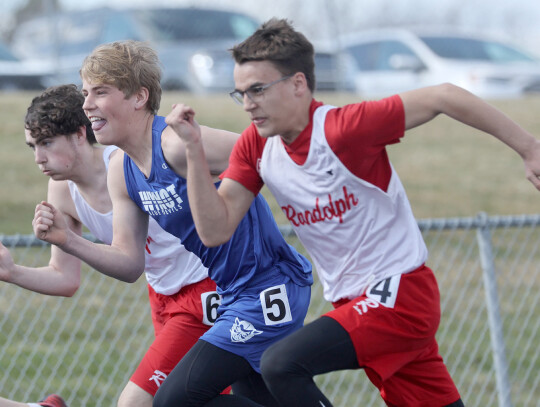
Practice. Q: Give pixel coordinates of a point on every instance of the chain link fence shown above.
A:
(86, 347)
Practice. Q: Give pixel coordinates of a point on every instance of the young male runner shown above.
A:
(329, 171)
(264, 283)
(183, 299)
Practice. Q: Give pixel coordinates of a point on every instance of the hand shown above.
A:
(182, 120)
(49, 224)
(532, 165)
(6, 263)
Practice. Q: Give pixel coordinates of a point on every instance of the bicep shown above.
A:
(130, 224)
(422, 105)
(218, 145)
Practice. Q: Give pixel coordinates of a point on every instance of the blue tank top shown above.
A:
(256, 252)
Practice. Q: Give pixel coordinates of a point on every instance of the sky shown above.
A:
(516, 21)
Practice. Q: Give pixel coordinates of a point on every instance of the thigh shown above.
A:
(388, 335)
(202, 374)
(319, 347)
(254, 388)
(424, 382)
(175, 339)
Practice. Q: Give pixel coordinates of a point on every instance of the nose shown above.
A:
(39, 155)
(249, 104)
(88, 103)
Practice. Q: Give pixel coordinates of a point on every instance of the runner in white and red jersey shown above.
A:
(183, 299)
(329, 171)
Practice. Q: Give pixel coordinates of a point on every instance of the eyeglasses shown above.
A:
(254, 93)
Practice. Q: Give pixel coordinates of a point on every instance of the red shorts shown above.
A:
(395, 344)
(179, 320)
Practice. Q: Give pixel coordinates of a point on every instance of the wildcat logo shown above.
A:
(162, 202)
(243, 331)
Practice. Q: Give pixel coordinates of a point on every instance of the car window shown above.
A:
(467, 48)
(376, 56)
(185, 24)
(365, 55)
(387, 50)
(120, 27)
(5, 54)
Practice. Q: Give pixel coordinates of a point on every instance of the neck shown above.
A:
(138, 143)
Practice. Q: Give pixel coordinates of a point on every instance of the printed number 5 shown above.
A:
(275, 305)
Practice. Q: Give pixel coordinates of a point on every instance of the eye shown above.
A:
(257, 90)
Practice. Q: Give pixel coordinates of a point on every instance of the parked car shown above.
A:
(192, 43)
(19, 75)
(393, 61)
(333, 71)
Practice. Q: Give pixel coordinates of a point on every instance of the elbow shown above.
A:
(131, 278)
(70, 289)
(214, 239)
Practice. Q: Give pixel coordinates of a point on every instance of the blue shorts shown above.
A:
(260, 316)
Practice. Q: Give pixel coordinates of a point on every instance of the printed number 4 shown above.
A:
(275, 305)
(385, 291)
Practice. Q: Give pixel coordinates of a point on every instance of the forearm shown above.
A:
(476, 113)
(108, 260)
(45, 280)
(208, 209)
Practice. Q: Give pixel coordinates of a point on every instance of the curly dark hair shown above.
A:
(58, 112)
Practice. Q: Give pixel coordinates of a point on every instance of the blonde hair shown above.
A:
(128, 65)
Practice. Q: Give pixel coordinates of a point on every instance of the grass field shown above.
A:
(448, 169)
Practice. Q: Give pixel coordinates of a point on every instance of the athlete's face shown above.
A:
(55, 156)
(109, 111)
(272, 100)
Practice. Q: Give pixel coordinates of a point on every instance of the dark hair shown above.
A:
(276, 41)
(58, 112)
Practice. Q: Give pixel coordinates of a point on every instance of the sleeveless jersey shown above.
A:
(355, 232)
(256, 251)
(168, 266)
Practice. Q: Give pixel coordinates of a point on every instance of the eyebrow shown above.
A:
(255, 85)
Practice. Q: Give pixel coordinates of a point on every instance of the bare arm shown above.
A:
(424, 104)
(216, 213)
(62, 276)
(124, 259)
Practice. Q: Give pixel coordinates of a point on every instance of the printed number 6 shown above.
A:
(275, 304)
(210, 303)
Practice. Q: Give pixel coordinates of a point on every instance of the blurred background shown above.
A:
(369, 47)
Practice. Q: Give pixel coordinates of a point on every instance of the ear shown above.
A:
(81, 134)
(141, 97)
(300, 83)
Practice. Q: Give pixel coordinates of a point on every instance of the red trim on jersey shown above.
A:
(357, 133)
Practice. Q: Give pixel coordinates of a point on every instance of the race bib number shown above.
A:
(385, 291)
(275, 305)
(210, 302)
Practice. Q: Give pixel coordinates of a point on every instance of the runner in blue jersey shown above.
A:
(264, 282)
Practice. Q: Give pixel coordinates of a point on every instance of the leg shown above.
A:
(9, 403)
(201, 376)
(134, 396)
(254, 388)
(289, 365)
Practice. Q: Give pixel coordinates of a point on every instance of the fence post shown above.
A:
(494, 313)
